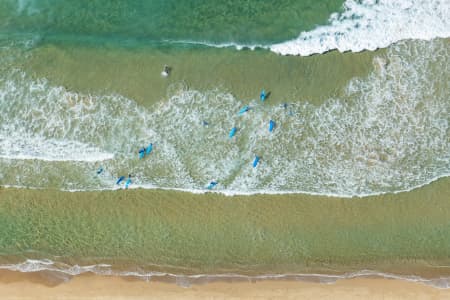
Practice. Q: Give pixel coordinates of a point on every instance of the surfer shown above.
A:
(141, 153)
(211, 185)
(165, 71)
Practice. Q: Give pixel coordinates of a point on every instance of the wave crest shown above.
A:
(370, 24)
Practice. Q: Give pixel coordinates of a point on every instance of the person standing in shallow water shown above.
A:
(166, 71)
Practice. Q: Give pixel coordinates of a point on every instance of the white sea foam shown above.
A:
(386, 133)
(20, 146)
(43, 122)
(370, 24)
(362, 25)
(34, 265)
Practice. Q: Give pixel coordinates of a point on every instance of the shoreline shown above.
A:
(240, 234)
(15, 285)
(232, 193)
(54, 273)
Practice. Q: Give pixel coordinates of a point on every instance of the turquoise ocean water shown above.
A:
(147, 22)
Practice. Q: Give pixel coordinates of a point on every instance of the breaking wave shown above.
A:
(386, 133)
(371, 24)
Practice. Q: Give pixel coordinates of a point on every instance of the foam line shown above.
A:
(361, 25)
(369, 25)
(34, 265)
(20, 147)
(385, 133)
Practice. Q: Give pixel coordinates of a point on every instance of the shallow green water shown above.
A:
(186, 233)
(136, 74)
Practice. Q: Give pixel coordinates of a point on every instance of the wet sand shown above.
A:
(14, 285)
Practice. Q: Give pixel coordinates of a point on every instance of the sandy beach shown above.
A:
(15, 285)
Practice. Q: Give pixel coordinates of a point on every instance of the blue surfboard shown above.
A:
(149, 149)
(128, 182)
(244, 109)
(271, 125)
(263, 95)
(120, 179)
(232, 132)
(255, 161)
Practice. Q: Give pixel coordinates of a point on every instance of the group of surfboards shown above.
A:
(145, 151)
(263, 96)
